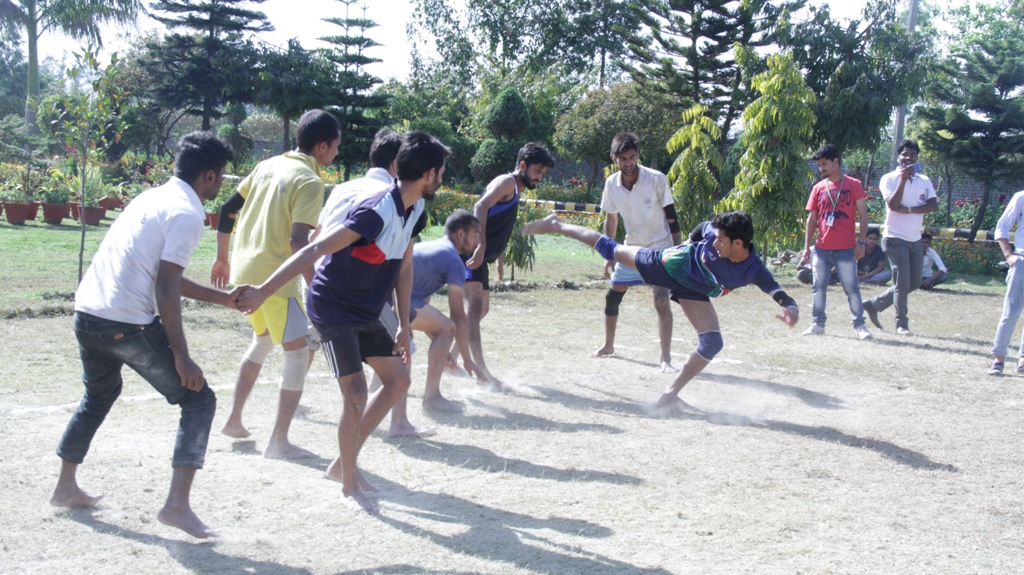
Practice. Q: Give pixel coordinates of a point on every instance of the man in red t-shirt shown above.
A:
(831, 208)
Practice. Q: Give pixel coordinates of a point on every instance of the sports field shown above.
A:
(816, 455)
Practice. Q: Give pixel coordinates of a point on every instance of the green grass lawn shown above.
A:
(39, 260)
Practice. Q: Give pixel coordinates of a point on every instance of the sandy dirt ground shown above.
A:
(816, 454)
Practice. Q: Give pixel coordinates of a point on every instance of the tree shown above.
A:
(586, 131)
(13, 75)
(80, 19)
(508, 116)
(975, 116)
(293, 81)
(860, 72)
(693, 175)
(777, 131)
(231, 131)
(686, 51)
(89, 122)
(211, 65)
(354, 102)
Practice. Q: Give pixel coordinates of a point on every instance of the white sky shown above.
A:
(304, 24)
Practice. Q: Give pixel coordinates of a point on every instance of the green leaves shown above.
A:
(694, 173)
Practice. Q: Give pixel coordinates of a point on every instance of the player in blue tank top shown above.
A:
(717, 258)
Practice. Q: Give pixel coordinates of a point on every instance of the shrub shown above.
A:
(963, 257)
(57, 196)
(508, 116)
(445, 202)
(13, 196)
(493, 158)
(574, 190)
(241, 143)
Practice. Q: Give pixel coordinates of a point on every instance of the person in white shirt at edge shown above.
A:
(128, 312)
(1013, 302)
(931, 260)
(909, 195)
(641, 195)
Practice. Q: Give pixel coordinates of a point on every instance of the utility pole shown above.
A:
(901, 112)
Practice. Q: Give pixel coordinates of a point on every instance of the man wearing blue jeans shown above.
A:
(128, 311)
(833, 203)
(909, 195)
(1013, 302)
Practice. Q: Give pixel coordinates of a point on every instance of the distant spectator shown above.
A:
(872, 267)
(931, 260)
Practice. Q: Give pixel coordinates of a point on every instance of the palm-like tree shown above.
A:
(79, 19)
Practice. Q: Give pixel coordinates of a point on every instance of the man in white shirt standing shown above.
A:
(128, 312)
(909, 195)
(642, 197)
(1013, 302)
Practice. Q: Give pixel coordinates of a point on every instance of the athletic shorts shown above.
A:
(480, 274)
(649, 266)
(284, 318)
(625, 276)
(346, 347)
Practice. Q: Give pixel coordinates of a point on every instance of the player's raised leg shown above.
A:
(608, 248)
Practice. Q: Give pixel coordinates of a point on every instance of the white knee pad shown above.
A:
(293, 376)
(260, 348)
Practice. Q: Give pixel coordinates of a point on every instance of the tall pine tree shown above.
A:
(213, 63)
(353, 104)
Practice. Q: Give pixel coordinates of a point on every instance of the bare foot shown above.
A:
(603, 351)
(235, 429)
(672, 404)
(666, 367)
(302, 409)
(186, 520)
(442, 404)
(548, 225)
(409, 430)
(356, 500)
(492, 384)
(73, 496)
(334, 472)
(286, 450)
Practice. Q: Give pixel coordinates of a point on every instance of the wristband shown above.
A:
(861, 243)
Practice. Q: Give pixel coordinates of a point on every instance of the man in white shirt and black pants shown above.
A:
(909, 195)
(1013, 302)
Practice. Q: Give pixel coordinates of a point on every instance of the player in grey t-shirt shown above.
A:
(435, 264)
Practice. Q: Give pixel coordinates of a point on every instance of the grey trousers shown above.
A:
(906, 261)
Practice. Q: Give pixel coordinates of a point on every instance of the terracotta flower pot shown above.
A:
(93, 215)
(67, 210)
(213, 219)
(54, 213)
(16, 213)
(33, 210)
(76, 210)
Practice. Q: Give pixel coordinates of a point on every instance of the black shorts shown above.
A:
(648, 264)
(346, 347)
(480, 274)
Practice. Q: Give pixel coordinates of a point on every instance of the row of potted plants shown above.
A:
(56, 205)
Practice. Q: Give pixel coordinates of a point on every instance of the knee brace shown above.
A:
(260, 348)
(293, 376)
(709, 344)
(606, 247)
(612, 300)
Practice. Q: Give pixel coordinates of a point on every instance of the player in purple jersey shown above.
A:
(718, 257)
(367, 259)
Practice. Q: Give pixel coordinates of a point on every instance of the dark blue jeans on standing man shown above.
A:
(105, 346)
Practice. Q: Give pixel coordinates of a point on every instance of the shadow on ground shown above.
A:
(507, 537)
(811, 398)
(473, 457)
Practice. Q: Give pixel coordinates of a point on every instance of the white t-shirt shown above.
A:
(916, 192)
(642, 208)
(161, 224)
(931, 260)
(376, 180)
(1012, 215)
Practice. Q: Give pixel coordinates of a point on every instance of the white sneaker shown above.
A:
(863, 333)
(815, 329)
(902, 331)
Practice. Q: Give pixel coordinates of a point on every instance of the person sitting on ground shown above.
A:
(871, 268)
(718, 258)
(931, 260)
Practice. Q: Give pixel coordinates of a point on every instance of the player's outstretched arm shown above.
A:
(790, 311)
